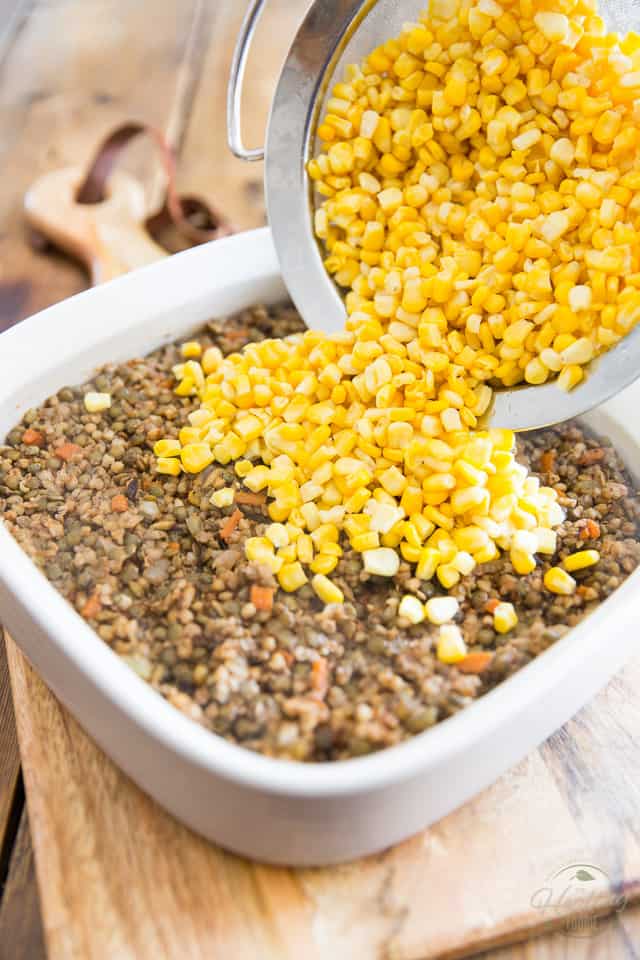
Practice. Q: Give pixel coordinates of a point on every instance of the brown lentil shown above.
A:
(160, 573)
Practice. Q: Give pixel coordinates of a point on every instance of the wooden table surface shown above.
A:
(70, 70)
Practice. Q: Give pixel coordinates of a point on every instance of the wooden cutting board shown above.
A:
(120, 878)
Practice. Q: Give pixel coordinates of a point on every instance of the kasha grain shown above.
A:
(145, 560)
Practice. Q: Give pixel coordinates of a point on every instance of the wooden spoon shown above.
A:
(109, 237)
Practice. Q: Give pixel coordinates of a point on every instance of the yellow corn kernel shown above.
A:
(411, 500)
(258, 478)
(451, 647)
(323, 563)
(448, 575)
(211, 359)
(505, 617)
(365, 541)
(570, 376)
(580, 560)
(96, 402)
(559, 581)
(523, 562)
(304, 548)
(256, 548)
(189, 435)
(393, 481)
(291, 576)
(167, 448)
(196, 456)
(381, 561)
(487, 554)
(328, 591)
(428, 563)
(278, 534)
(547, 540)
(231, 448)
(441, 610)
(248, 428)
(169, 466)
(191, 350)
(411, 609)
(553, 26)
(223, 497)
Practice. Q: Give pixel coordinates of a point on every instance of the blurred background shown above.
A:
(72, 70)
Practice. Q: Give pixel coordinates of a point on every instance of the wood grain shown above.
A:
(21, 934)
(73, 72)
(118, 873)
(9, 767)
(76, 69)
(614, 939)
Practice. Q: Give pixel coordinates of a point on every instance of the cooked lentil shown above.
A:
(161, 575)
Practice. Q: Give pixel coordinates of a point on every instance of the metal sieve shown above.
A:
(333, 34)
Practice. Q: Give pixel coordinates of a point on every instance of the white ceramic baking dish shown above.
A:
(271, 810)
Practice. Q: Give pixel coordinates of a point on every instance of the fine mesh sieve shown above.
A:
(333, 34)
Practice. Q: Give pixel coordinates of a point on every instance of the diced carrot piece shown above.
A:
(491, 604)
(250, 499)
(548, 461)
(33, 438)
(230, 524)
(319, 678)
(119, 503)
(92, 607)
(475, 662)
(592, 456)
(67, 450)
(261, 597)
(590, 531)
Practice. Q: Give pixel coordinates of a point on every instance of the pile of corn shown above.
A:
(482, 180)
(481, 187)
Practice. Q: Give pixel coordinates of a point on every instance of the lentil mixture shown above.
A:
(160, 572)
(478, 199)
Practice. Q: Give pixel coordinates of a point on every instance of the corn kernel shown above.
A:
(382, 561)
(196, 456)
(328, 591)
(169, 466)
(580, 560)
(504, 617)
(411, 609)
(223, 497)
(448, 575)
(441, 610)
(365, 541)
(580, 298)
(559, 581)
(451, 647)
(277, 533)
(554, 26)
(258, 478)
(570, 376)
(96, 402)
(167, 448)
(323, 563)
(291, 576)
(191, 350)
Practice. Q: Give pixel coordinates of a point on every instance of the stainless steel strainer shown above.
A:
(333, 34)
